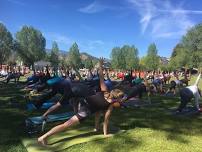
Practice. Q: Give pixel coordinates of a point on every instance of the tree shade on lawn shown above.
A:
(148, 128)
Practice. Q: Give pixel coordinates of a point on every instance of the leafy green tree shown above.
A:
(74, 56)
(181, 58)
(142, 63)
(179, 46)
(152, 58)
(115, 57)
(163, 67)
(121, 59)
(54, 57)
(6, 43)
(63, 62)
(88, 63)
(192, 41)
(131, 57)
(31, 45)
(125, 58)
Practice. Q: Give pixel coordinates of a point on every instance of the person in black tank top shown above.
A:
(103, 100)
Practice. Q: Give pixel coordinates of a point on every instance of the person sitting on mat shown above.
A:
(101, 101)
(186, 94)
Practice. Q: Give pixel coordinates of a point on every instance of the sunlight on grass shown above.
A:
(148, 128)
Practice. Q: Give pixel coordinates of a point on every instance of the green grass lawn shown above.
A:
(147, 129)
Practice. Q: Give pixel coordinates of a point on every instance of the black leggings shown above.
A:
(186, 96)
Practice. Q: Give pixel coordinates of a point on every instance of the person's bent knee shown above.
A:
(58, 104)
(71, 121)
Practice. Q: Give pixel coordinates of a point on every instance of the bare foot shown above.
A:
(96, 129)
(108, 135)
(42, 141)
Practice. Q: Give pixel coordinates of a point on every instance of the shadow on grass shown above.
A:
(117, 143)
(154, 117)
(74, 137)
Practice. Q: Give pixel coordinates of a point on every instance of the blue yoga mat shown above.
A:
(51, 82)
(51, 118)
(46, 105)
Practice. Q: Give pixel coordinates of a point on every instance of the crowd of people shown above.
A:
(99, 91)
(8, 73)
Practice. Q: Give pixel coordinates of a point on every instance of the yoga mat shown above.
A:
(55, 80)
(67, 139)
(189, 110)
(51, 118)
(46, 105)
(136, 103)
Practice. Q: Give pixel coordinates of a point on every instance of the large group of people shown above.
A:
(8, 73)
(97, 93)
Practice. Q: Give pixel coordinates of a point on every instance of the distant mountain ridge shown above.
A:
(84, 55)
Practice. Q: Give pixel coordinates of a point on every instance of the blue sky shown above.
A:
(99, 25)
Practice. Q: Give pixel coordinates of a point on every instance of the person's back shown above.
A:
(137, 90)
(186, 94)
(82, 90)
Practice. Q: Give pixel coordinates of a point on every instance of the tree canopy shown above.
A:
(192, 41)
(54, 56)
(88, 63)
(74, 56)
(180, 57)
(125, 58)
(152, 60)
(188, 53)
(6, 43)
(31, 45)
(131, 57)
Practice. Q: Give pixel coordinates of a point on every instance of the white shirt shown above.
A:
(4, 73)
(178, 82)
(194, 90)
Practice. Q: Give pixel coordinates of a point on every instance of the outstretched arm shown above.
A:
(197, 80)
(103, 86)
(51, 109)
